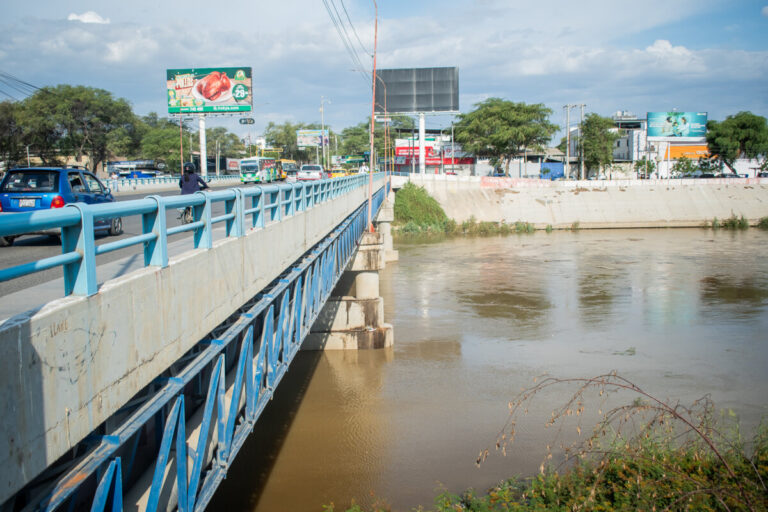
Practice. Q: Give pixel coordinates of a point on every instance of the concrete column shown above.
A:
(422, 130)
(367, 285)
(356, 321)
(384, 226)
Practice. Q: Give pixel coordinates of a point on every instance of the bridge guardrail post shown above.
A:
(288, 201)
(203, 236)
(80, 276)
(230, 206)
(156, 251)
(239, 224)
(277, 212)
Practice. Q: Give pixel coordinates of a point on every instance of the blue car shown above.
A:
(43, 188)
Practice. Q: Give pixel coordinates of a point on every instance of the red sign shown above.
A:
(413, 151)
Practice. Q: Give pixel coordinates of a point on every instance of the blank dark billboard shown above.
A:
(418, 90)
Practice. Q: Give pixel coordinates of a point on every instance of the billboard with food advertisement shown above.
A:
(209, 90)
(679, 125)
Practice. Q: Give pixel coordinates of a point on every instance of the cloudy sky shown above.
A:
(692, 55)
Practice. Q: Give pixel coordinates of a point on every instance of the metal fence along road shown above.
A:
(173, 443)
(245, 208)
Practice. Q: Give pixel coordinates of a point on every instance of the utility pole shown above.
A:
(581, 146)
(322, 127)
(568, 141)
(373, 116)
(568, 108)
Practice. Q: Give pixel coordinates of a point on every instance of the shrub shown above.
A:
(734, 222)
(414, 204)
(763, 223)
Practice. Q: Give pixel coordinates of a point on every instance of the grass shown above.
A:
(417, 213)
(647, 454)
(732, 222)
(763, 223)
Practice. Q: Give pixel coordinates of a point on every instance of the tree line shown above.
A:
(65, 122)
(71, 122)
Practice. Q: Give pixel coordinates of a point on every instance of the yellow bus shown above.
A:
(287, 168)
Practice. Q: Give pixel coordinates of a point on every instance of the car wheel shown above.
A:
(116, 226)
(6, 241)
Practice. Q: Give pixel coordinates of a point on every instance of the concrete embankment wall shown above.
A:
(68, 366)
(597, 204)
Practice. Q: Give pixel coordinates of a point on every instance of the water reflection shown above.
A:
(743, 297)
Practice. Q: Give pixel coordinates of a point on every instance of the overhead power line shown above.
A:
(11, 85)
(338, 24)
(365, 50)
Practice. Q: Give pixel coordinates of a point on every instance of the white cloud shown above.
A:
(88, 17)
(765, 11)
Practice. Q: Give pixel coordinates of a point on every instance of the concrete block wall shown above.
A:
(599, 204)
(69, 365)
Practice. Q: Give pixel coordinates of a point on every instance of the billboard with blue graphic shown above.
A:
(677, 124)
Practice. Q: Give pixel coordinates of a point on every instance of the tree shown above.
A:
(684, 167)
(76, 121)
(596, 141)
(284, 136)
(229, 143)
(162, 143)
(645, 166)
(11, 145)
(500, 129)
(744, 135)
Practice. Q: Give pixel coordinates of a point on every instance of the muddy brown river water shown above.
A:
(682, 313)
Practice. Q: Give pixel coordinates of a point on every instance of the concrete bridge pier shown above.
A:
(384, 226)
(353, 317)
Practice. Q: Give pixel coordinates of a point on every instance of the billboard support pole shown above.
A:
(181, 145)
(422, 163)
(203, 154)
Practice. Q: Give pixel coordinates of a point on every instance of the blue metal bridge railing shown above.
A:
(245, 208)
(227, 378)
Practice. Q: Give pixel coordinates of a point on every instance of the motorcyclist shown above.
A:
(190, 182)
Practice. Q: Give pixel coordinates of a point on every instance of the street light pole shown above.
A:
(322, 127)
(373, 115)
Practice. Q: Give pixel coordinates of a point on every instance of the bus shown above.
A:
(135, 169)
(258, 169)
(287, 168)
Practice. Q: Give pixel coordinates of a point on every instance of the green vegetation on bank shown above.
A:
(732, 222)
(417, 213)
(763, 223)
(648, 454)
(663, 478)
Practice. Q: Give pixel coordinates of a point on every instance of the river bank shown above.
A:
(596, 204)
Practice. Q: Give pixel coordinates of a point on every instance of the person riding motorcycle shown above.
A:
(190, 183)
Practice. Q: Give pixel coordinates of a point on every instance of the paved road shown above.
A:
(31, 248)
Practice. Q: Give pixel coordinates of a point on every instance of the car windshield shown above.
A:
(290, 167)
(249, 167)
(31, 181)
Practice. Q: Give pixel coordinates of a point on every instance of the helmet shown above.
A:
(189, 167)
